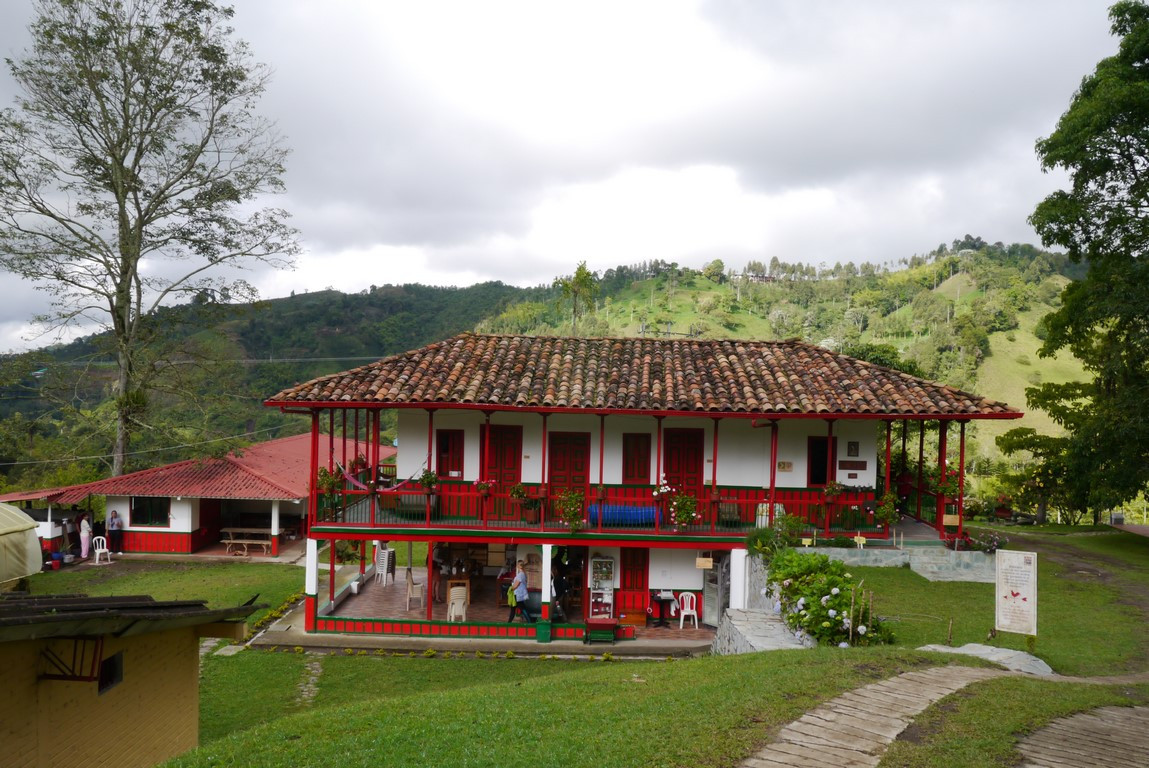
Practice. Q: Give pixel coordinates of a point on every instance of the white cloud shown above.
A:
(448, 141)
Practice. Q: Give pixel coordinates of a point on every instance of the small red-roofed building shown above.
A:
(261, 492)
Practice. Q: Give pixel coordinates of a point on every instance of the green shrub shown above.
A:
(783, 534)
(819, 598)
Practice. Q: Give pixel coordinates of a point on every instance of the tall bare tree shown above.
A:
(132, 171)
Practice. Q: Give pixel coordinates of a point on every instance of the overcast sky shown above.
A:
(453, 142)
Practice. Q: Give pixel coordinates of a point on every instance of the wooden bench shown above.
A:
(236, 538)
(234, 544)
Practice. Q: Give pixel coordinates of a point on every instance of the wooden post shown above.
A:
(773, 469)
(961, 482)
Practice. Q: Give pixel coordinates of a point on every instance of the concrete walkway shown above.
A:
(853, 730)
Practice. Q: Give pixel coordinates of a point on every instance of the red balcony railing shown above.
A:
(628, 509)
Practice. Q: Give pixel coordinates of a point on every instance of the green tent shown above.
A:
(19, 546)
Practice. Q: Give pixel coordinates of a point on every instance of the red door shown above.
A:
(682, 463)
(633, 593)
(504, 462)
(569, 462)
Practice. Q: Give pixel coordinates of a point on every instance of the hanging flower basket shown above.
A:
(568, 506)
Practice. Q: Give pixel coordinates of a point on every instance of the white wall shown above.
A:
(743, 450)
(792, 446)
(184, 515)
(674, 569)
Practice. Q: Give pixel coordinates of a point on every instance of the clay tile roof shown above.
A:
(711, 376)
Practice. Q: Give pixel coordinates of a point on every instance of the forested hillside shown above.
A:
(968, 314)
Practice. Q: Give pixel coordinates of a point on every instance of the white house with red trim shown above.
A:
(512, 425)
(187, 506)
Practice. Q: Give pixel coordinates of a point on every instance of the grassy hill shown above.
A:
(964, 317)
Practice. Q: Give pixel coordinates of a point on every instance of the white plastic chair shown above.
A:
(384, 557)
(100, 545)
(686, 607)
(416, 590)
(457, 604)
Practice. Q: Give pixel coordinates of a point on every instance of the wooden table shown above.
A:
(459, 581)
(235, 539)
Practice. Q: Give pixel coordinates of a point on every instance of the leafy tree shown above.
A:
(136, 138)
(579, 289)
(882, 354)
(1102, 142)
(715, 271)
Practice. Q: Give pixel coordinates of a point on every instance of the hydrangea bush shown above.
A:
(819, 598)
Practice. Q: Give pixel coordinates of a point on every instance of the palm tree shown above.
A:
(580, 290)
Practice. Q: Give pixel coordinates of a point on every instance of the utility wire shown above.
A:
(140, 453)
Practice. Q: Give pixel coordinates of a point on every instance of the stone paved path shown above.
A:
(853, 730)
(1109, 736)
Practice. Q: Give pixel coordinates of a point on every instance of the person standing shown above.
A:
(85, 535)
(115, 532)
(519, 590)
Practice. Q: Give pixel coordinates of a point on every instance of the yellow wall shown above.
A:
(149, 717)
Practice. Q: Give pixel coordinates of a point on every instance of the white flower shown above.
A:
(845, 622)
(835, 591)
(801, 602)
(764, 591)
(843, 644)
(833, 613)
(848, 576)
(825, 599)
(862, 630)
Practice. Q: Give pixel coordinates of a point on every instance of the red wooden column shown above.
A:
(312, 492)
(921, 460)
(485, 468)
(544, 508)
(773, 469)
(431, 466)
(889, 431)
(714, 478)
(601, 448)
(831, 475)
(658, 471)
(961, 481)
(374, 429)
(940, 500)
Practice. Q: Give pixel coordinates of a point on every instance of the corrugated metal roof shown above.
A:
(35, 616)
(276, 469)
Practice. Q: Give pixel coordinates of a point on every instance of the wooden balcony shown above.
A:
(730, 514)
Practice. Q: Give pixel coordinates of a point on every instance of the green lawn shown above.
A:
(368, 710)
(980, 725)
(220, 584)
(711, 711)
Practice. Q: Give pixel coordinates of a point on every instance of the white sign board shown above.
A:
(1016, 595)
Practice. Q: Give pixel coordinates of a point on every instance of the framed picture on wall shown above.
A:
(852, 448)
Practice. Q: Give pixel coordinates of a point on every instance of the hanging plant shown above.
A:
(429, 479)
(887, 513)
(569, 508)
(939, 487)
(683, 510)
(327, 482)
(833, 490)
